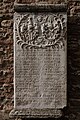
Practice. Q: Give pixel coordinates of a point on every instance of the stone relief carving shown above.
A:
(41, 30)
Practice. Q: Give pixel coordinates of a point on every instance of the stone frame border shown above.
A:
(40, 7)
(53, 113)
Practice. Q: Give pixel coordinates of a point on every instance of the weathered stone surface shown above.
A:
(6, 23)
(6, 56)
(40, 64)
(36, 113)
(74, 8)
(42, 1)
(7, 1)
(73, 55)
(40, 8)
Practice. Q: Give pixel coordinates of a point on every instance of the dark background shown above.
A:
(72, 111)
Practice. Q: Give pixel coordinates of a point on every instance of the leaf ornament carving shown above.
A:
(43, 30)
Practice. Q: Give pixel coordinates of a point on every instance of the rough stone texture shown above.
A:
(72, 112)
(74, 60)
(40, 8)
(6, 58)
(40, 63)
(74, 8)
(42, 1)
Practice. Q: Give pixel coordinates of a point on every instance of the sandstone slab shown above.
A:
(40, 63)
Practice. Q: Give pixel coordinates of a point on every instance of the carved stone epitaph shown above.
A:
(40, 64)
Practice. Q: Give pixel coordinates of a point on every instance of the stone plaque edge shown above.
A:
(38, 113)
(40, 7)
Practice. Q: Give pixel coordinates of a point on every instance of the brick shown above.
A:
(0, 61)
(6, 14)
(6, 23)
(8, 1)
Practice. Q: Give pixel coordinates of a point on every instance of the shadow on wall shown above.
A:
(74, 63)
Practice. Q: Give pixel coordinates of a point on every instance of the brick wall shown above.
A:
(6, 58)
(72, 112)
(74, 60)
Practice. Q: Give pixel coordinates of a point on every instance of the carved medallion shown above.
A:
(41, 30)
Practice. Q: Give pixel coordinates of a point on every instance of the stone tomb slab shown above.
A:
(40, 64)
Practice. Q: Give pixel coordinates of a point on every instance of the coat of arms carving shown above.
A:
(41, 30)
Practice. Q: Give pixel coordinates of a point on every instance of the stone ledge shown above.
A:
(36, 113)
(40, 7)
(41, 1)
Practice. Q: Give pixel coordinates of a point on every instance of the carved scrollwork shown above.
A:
(41, 30)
